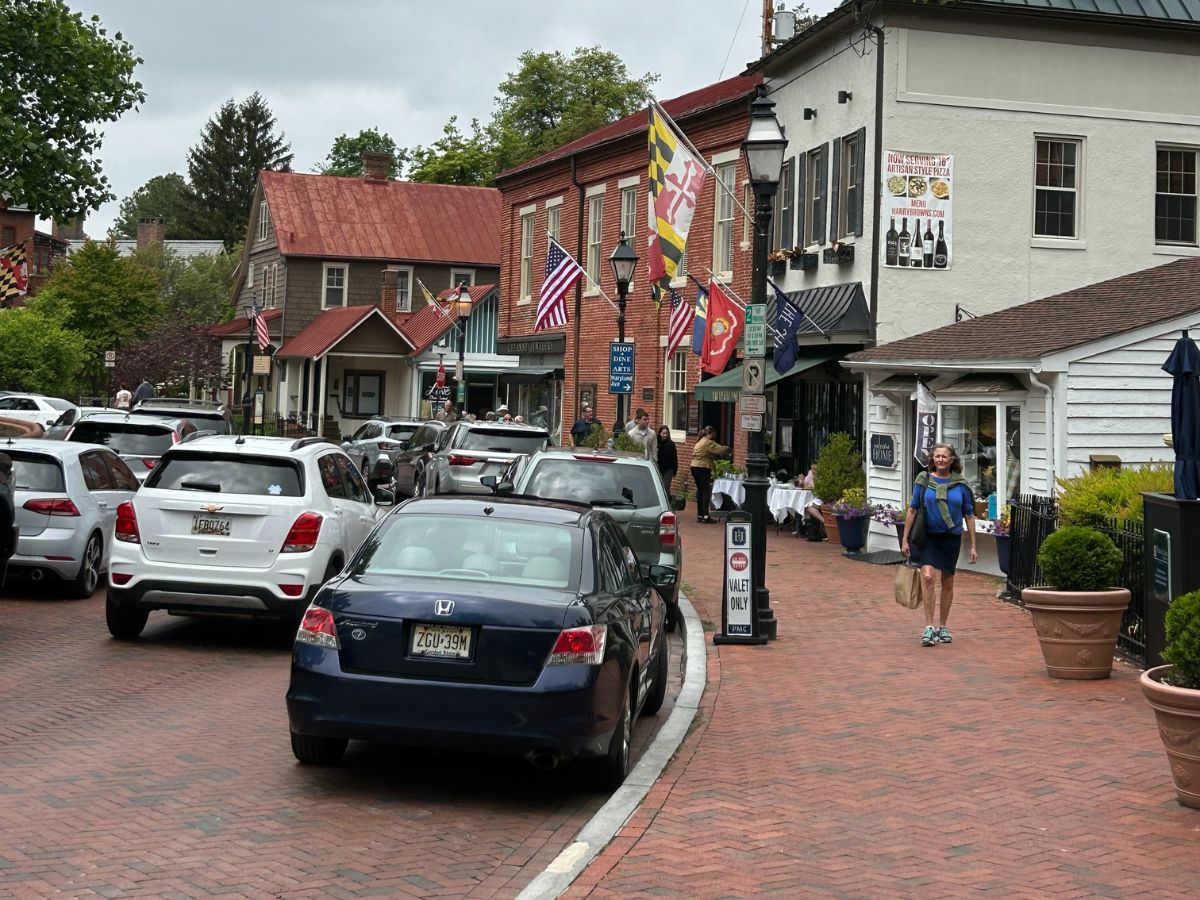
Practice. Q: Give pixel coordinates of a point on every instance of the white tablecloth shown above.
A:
(733, 488)
(781, 500)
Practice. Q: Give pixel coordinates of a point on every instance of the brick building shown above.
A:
(586, 193)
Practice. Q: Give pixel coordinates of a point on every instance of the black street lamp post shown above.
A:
(462, 305)
(247, 397)
(623, 262)
(764, 147)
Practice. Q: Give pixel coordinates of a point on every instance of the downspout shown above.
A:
(878, 192)
(578, 297)
(1051, 433)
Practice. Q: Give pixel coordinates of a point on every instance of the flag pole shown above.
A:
(699, 156)
(802, 312)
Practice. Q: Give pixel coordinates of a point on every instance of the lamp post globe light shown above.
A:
(764, 147)
(623, 262)
(462, 306)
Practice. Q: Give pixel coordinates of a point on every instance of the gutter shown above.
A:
(1051, 434)
(877, 211)
(900, 365)
(578, 285)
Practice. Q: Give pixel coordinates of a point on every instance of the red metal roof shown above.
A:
(349, 218)
(327, 329)
(683, 105)
(240, 324)
(426, 325)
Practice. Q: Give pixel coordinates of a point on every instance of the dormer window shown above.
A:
(264, 221)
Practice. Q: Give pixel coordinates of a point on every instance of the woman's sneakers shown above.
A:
(931, 636)
(944, 636)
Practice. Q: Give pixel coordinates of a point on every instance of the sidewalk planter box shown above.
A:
(840, 255)
(777, 269)
(805, 261)
(831, 524)
(1177, 713)
(852, 534)
(1077, 629)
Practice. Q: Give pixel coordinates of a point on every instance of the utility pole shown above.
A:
(768, 14)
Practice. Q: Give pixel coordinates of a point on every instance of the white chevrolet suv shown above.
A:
(249, 526)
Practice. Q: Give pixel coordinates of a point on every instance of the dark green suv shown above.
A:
(626, 486)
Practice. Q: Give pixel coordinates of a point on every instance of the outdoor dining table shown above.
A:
(733, 488)
(783, 499)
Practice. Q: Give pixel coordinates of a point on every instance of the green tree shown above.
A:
(60, 77)
(39, 354)
(455, 158)
(195, 290)
(345, 157)
(237, 143)
(165, 196)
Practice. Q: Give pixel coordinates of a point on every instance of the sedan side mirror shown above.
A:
(384, 497)
(679, 503)
(662, 576)
(489, 481)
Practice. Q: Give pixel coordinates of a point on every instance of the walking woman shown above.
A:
(704, 454)
(949, 506)
(668, 457)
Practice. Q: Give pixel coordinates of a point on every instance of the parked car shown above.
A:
(59, 428)
(20, 428)
(508, 624)
(471, 450)
(626, 486)
(139, 440)
(33, 408)
(373, 443)
(206, 415)
(66, 498)
(408, 465)
(237, 525)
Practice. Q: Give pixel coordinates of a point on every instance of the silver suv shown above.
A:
(139, 440)
(627, 486)
(206, 415)
(372, 445)
(247, 525)
(467, 451)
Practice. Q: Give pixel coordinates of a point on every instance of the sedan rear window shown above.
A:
(34, 472)
(503, 440)
(128, 438)
(473, 549)
(601, 483)
(233, 474)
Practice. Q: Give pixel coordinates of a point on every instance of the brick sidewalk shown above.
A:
(846, 760)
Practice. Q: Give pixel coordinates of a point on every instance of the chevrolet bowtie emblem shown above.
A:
(212, 507)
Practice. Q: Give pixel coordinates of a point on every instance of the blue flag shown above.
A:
(700, 323)
(787, 322)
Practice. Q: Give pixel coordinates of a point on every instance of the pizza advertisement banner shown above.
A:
(916, 224)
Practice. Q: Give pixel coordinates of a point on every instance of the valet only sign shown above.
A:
(737, 607)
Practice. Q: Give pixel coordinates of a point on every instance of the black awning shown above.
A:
(840, 310)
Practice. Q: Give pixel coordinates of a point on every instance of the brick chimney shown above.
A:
(376, 167)
(151, 230)
(71, 230)
(387, 299)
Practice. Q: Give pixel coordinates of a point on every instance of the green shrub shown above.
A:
(838, 469)
(1183, 640)
(723, 468)
(1076, 558)
(624, 442)
(597, 439)
(1103, 494)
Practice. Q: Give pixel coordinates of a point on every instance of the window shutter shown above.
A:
(823, 180)
(835, 231)
(860, 151)
(786, 231)
(801, 198)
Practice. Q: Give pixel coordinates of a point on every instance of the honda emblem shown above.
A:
(443, 608)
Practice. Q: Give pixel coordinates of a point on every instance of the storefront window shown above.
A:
(979, 433)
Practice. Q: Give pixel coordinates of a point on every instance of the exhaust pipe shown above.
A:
(37, 575)
(544, 760)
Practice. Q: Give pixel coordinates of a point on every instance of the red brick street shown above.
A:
(846, 760)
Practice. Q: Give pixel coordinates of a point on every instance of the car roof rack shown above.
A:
(308, 442)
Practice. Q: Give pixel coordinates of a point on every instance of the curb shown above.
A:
(608, 820)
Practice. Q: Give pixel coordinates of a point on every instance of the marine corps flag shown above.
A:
(14, 274)
(676, 178)
(725, 324)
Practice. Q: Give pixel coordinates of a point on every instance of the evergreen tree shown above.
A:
(237, 143)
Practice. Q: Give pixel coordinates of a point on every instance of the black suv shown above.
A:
(206, 415)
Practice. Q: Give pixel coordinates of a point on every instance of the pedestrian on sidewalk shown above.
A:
(949, 506)
(704, 454)
(124, 397)
(639, 430)
(668, 457)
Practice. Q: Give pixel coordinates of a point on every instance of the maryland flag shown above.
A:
(676, 178)
(14, 274)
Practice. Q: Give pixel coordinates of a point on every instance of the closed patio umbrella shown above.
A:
(1184, 366)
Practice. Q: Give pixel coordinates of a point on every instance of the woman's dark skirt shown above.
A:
(940, 551)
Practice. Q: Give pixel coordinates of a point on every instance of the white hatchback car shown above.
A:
(248, 526)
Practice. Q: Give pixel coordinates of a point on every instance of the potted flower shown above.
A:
(1077, 618)
(893, 517)
(1001, 530)
(853, 513)
(837, 469)
(839, 253)
(804, 260)
(778, 260)
(1173, 692)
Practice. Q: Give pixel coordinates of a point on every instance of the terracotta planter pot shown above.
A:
(1077, 629)
(831, 524)
(1177, 712)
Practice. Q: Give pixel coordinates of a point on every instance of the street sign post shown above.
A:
(739, 617)
(751, 422)
(756, 330)
(110, 359)
(752, 403)
(754, 376)
(620, 367)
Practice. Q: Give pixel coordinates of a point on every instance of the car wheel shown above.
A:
(612, 768)
(88, 579)
(662, 672)
(318, 751)
(124, 622)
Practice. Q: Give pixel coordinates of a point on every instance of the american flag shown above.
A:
(561, 274)
(682, 314)
(260, 325)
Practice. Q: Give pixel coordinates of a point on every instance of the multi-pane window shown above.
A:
(526, 256)
(404, 279)
(462, 276)
(629, 213)
(362, 393)
(334, 287)
(784, 195)
(814, 193)
(851, 184)
(675, 414)
(553, 220)
(264, 221)
(723, 226)
(1175, 196)
(1056, 192)
(594, 251)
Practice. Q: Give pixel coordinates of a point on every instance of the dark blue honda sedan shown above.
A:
(494, 624)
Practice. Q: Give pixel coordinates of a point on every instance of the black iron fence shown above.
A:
(1034, 518)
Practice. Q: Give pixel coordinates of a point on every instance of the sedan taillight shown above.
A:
(455, 459)
(303, 534)
(127, 525)
(60, 506)
(668, 529)
(317, 628)
(582, 646)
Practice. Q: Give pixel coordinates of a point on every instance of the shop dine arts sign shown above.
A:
(917, 192)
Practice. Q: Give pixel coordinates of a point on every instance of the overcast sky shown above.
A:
(402, 66)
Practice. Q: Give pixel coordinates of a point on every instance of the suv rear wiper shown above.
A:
(200, 486)
(611, 502)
